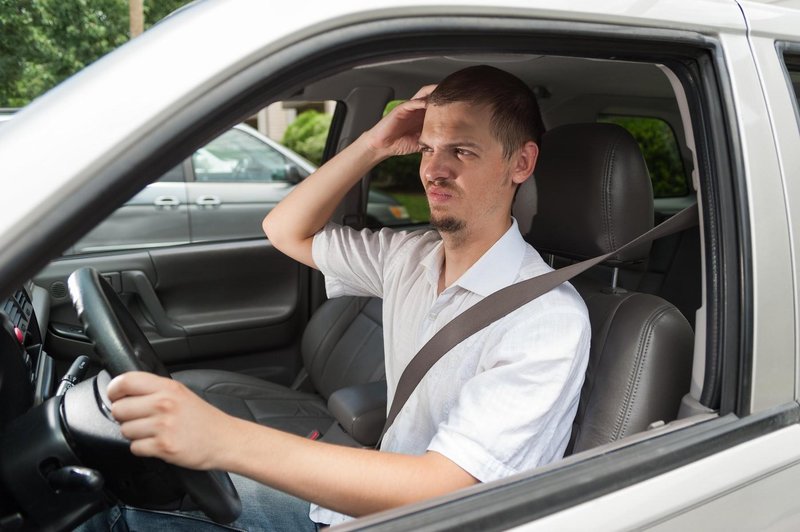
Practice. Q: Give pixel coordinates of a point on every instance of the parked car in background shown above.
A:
(721, 76)
(220, 193)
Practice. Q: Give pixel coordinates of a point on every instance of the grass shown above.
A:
(415, 204)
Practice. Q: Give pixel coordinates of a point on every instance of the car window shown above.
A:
(225, 188)
(396, 191)
(792, 63)
(174, 175)
(239, 156)
(661, 153)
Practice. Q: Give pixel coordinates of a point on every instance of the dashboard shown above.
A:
(26, 372)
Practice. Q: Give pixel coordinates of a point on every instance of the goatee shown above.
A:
(447, 224)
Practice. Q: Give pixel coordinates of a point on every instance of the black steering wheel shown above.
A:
(122, 346)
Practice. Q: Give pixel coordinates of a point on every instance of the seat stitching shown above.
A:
(608, 170)
(594, 364)
(341, 317)
(330, 329)
(358, 350)
(634, 377)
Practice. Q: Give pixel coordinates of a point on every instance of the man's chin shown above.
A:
(447, 224)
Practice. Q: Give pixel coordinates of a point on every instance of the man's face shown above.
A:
(466, 178)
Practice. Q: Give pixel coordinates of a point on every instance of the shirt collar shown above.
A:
(496, 269)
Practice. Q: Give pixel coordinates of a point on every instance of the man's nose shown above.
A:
(436, 166)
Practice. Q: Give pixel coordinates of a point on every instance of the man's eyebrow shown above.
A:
(457, 144)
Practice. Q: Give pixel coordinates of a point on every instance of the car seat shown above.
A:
(596, 195)
(342, 346)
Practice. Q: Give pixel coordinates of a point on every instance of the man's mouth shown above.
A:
(438, 194)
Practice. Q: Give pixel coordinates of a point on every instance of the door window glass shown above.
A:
(792, 63)
(396, 195)
(239, 156)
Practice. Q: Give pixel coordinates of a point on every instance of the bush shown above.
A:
(307, 135)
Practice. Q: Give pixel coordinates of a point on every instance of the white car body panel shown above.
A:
(748, 487)
(767, 21)
(771, 261)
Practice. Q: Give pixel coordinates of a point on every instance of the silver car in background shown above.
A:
(221, 192)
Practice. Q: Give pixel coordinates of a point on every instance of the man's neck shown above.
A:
(462, 250)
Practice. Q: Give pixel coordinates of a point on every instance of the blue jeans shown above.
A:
(263, 509)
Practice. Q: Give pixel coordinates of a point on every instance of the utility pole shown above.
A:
(137, 17)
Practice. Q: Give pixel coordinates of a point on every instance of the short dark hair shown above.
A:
(515, 112)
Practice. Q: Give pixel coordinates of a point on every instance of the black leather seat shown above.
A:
(596, 195)
(342, 346)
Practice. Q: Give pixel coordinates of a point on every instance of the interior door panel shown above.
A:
(234, 305)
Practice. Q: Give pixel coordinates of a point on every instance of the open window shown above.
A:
(674, 78)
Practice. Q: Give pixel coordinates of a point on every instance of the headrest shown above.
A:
(524, 206)
(594, 193)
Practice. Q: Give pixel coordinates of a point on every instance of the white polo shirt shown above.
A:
(500, 402)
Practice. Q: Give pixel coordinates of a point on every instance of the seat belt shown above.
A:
(506, 300)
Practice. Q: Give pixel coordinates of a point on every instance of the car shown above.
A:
(707, 89)
(221, 192)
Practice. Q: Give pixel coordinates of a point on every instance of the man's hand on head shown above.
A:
(398, 132)
(164, 419)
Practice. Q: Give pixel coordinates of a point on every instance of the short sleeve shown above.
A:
(354, 262)
(516, 413)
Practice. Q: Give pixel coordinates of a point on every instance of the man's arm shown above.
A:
(292, 224)
(163, 418)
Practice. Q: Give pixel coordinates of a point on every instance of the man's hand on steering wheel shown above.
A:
(152, 403)
(166, 420)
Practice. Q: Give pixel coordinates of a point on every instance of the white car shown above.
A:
(689, 418)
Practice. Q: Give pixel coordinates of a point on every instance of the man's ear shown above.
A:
(525, 161)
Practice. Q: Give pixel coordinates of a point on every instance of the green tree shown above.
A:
(399, 173)
(307, 134)
(43, 42)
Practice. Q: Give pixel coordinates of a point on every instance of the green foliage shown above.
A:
(399, 173)
(307, 134)
(660, 150)
(43, 42)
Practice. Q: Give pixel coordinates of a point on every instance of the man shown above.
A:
(500, 402)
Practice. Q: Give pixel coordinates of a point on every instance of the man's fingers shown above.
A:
(135, 383)
(139, 429)
(146, 447)
(135, 407)
(424, 92)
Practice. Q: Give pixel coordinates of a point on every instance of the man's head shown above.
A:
(513, 107)
(479, 141)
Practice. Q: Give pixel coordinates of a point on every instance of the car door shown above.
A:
(217, 294)
(157, 216)
(236, 179)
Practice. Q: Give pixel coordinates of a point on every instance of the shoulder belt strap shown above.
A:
(504, 301)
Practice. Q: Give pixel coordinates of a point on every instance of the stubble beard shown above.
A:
(447, 224)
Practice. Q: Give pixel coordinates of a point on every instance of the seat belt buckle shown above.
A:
(314, 435)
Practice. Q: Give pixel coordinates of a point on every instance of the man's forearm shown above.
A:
(291, 225)
(351, 481)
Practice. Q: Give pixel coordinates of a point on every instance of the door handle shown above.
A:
(166, 201)
(208, 201)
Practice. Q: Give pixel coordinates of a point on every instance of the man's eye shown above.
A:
(425, 149)
(462, 151)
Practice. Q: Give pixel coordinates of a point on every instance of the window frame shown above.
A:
(697, 61)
